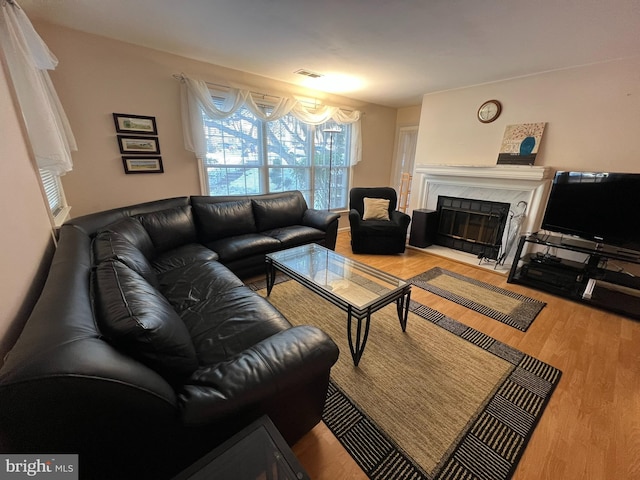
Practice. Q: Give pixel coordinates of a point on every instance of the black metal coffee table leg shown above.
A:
(357, 347)
(402, 305)
(271, 276)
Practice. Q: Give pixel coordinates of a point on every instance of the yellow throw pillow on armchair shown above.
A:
(376, 209)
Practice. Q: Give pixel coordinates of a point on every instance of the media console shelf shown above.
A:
(594, 275)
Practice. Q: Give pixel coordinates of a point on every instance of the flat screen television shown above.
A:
(599, 206)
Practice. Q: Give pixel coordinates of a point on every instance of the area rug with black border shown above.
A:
(439, 401)
(508, 307)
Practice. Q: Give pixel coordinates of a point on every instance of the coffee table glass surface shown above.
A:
(356, 288)
(258, 452)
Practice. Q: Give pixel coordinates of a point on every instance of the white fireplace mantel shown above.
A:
(514, 172)
(511, 184)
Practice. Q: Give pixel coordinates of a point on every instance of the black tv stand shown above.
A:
(594, 260)
(588, 281)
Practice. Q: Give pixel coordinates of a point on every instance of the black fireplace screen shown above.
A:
(473, 226)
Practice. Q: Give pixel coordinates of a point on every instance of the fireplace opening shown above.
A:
(472, 226)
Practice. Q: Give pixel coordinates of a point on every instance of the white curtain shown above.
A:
(196, 98)
(28, 60)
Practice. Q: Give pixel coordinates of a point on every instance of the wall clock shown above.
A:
(489, 111)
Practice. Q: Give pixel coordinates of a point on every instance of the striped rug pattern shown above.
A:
(494, 441)
(508, 307)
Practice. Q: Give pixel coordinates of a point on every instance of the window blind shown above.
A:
(51, 185)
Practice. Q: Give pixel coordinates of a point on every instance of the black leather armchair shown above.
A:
(377, 235)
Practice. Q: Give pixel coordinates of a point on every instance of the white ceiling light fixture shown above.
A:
(337, 83)
(308, 73)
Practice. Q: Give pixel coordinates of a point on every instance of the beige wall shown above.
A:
(408, 116)
(592, 115)
(97, 76)
(378, 124)
(27, 243)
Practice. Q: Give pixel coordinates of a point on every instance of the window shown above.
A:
(55, 196)
(246, 155)
(51, 184)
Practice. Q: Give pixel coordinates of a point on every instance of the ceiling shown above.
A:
(389, 52)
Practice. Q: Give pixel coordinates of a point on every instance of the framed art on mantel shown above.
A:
(520, 144)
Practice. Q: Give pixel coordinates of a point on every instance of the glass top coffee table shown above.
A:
(354, 287)
(256, 452)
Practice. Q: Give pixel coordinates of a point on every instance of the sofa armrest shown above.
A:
(354, 217)
(280, 362)
(400, 218)
(319, 219)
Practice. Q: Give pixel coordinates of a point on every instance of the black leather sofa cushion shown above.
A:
(132, 230)
(114, 246)
(181, 256)
(138, 319)
(170, 228)
(94, 222)
(225, 325)
(185, 287)
(278, 212)
(380, 227)
(319, 219)
(295, 235)
(233, 248)
(277, 363)
(222, 220)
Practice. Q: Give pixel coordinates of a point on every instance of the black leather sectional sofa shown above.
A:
(145, 349)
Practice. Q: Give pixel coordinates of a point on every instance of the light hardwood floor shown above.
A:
(590, 429)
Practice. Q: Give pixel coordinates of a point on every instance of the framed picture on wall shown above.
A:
(142, 164)
(127, 123)
(138, 144)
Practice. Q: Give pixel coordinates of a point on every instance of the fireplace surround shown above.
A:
(511, 184)
(471, 225)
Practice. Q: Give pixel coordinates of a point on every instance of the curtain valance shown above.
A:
(28, 59)
(196, 98)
